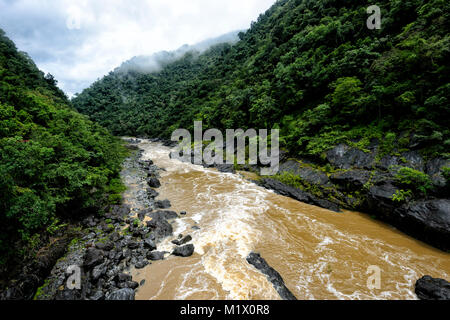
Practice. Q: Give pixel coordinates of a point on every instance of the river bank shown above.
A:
(129, 251)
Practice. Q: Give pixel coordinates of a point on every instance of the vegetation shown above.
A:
(312, 69)
(55, 164)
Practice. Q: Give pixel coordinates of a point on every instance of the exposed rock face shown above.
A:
(153, 182)
(306, 173)
(429, 221)
(345, 157)
(352, 179)
(297, 194)
(272, 275)
(184, 251)
(121, 294)
(428, 288)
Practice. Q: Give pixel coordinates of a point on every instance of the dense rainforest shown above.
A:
(312, 69)
(55, 164)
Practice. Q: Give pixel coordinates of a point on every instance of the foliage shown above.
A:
(55, 164)
(414, 179)
(402, 195)
(310, 67)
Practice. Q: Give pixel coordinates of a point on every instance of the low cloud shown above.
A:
(80, 41)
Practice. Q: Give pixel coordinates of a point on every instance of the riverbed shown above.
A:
(319, 253)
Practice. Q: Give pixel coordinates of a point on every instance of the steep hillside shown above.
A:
(363, 113)
(55, 164)
(312, 68)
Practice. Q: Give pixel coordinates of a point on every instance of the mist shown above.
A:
(157, 61)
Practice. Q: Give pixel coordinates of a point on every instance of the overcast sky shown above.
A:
(79, 41)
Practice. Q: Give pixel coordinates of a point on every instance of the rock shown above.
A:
(132, 284)
(133, 245)
(152, 193)
(93, 257)
(182, 241)
(163, 214)
(305, 172)
(161, 228)
(98, 295)
(98, 271)
(428, 221)
(225, 168)
(142, 263)
(122, 277)
(434, 170)
(351, 179)
(153, 182)
(142, 282)
(344, 157)
(272, 275)
(68, 295)
(121, 294)
(413, 160)
(428, 288)
(164, 204)
(149, 244)
(184, 251)
(379, 199)
(105, 246)
(155, 256)
(297, 194)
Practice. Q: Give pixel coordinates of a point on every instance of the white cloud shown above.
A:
(79, 41)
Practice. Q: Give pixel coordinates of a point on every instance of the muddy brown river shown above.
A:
(319, 253)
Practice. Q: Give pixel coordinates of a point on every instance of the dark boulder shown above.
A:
(297, 194)
(307, 173)
(93, 257)
(182, 241)
(225, 168)
(352, 179)
(155, 256)
(161, 228)
(149, 244)
(379, 199)
(428, 221)
(272, 275)
(141, 263)
(428, 288)
(152, 193)
(345, 157)
(105, 246)
(121, 294)
(184, 251)
(163, 214)
(153, 182)
(122, 277)
(162, 204)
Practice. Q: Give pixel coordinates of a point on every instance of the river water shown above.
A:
(319, 253)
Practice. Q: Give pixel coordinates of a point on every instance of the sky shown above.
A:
(79, 41)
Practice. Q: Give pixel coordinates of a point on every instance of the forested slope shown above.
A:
(313, 69)
(55, 164)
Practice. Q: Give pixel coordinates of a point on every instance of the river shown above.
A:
(319, 253)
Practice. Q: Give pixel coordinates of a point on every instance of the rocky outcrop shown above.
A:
(272, 275)
(297, 194)
(427, 220)
(121, 294)
(344, 157)
(184, 251)
(428, 288)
